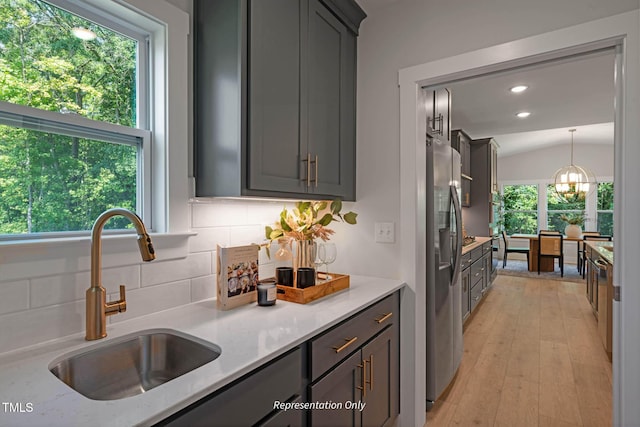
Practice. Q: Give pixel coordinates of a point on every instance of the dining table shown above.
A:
(546, 263)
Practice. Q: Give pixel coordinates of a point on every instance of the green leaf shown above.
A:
(322, 206)
(326, 219)
(267, 231)
(275, 234)
(303, 206)
(336, 206)
(284, 224)
(350, 217)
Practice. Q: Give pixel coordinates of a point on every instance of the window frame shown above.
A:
(22, 116)
(609, 211)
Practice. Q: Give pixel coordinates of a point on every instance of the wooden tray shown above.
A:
(303, 296)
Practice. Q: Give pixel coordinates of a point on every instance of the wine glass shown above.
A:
(327, 253)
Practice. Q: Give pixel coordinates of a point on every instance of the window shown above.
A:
(604, 211)
(520, 208)
(557, 206)
(72, 119)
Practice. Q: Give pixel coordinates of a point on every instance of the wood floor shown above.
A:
(532, 357)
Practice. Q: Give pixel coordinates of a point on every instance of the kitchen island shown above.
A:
(249, 336)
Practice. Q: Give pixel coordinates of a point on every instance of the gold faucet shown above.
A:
(97, 307)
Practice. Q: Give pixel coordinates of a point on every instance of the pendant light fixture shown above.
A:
(574, 181)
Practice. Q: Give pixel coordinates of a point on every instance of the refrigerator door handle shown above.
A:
(458, 216)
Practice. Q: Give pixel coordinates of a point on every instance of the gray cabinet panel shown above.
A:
(466, 288)
(275, 86)
(275, 30)
(363, 326)
(291, 418)
(381, 382)
(340, 385)
(331, 103)
(248, 401)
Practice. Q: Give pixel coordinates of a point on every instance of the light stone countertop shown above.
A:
(249, 337)
(479, 242)
(604, 248)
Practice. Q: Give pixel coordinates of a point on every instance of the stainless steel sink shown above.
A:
(133, 364)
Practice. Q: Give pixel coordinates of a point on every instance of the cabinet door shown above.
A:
(494, 168)
(330, 115)
(466, 287)
(486, 261)
(274, 152)
(381, 379)
(340, 386)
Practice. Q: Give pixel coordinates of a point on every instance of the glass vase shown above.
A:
(305, 254)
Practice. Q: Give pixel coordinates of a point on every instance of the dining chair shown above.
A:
(508, 249)
(550, 246)
(580, 249)
(601, 237)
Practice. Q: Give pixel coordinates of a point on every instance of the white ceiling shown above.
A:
(573, 93)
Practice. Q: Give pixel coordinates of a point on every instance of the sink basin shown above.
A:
(133, 364)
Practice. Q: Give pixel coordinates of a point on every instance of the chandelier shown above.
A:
(574, 181)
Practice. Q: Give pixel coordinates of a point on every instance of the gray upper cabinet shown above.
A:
(439, 114)
(275, 98)
(462, 143)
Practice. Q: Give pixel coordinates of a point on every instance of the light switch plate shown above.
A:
(385, 232)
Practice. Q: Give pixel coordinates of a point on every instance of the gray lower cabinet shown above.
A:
(466, 290)
(476, 277)
(275, 98)
(251, 399)
(355, 362)
(368, 378)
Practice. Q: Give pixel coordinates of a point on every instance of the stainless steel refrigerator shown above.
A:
(443, 251)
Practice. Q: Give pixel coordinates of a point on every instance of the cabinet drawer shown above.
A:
(477, 272)
(334, 345)
(465, 261)
(486, 247)
(247, 401)
(476, 254)
(476, 295)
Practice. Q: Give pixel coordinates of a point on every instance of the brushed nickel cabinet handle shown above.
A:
(349, 341)
(384, 317)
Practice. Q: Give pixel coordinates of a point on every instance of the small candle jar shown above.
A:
(267, 292)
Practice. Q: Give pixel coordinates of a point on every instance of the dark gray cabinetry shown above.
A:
(480, 218)
(462, 142)
(465, 279)
(438, 114)
(476, 276)
(358, 361)
(250, 400)
(275, 98)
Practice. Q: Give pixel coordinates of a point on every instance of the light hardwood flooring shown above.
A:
(532, 357)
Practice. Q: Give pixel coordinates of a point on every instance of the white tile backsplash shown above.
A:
(203, 288)
(154, 298)
(42, 289)
(194, 265)
(14, 296)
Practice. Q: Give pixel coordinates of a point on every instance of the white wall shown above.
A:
(542, 164)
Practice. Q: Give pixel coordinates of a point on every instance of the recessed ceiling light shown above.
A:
(83, 33)
(523, 114)
(519, 88)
